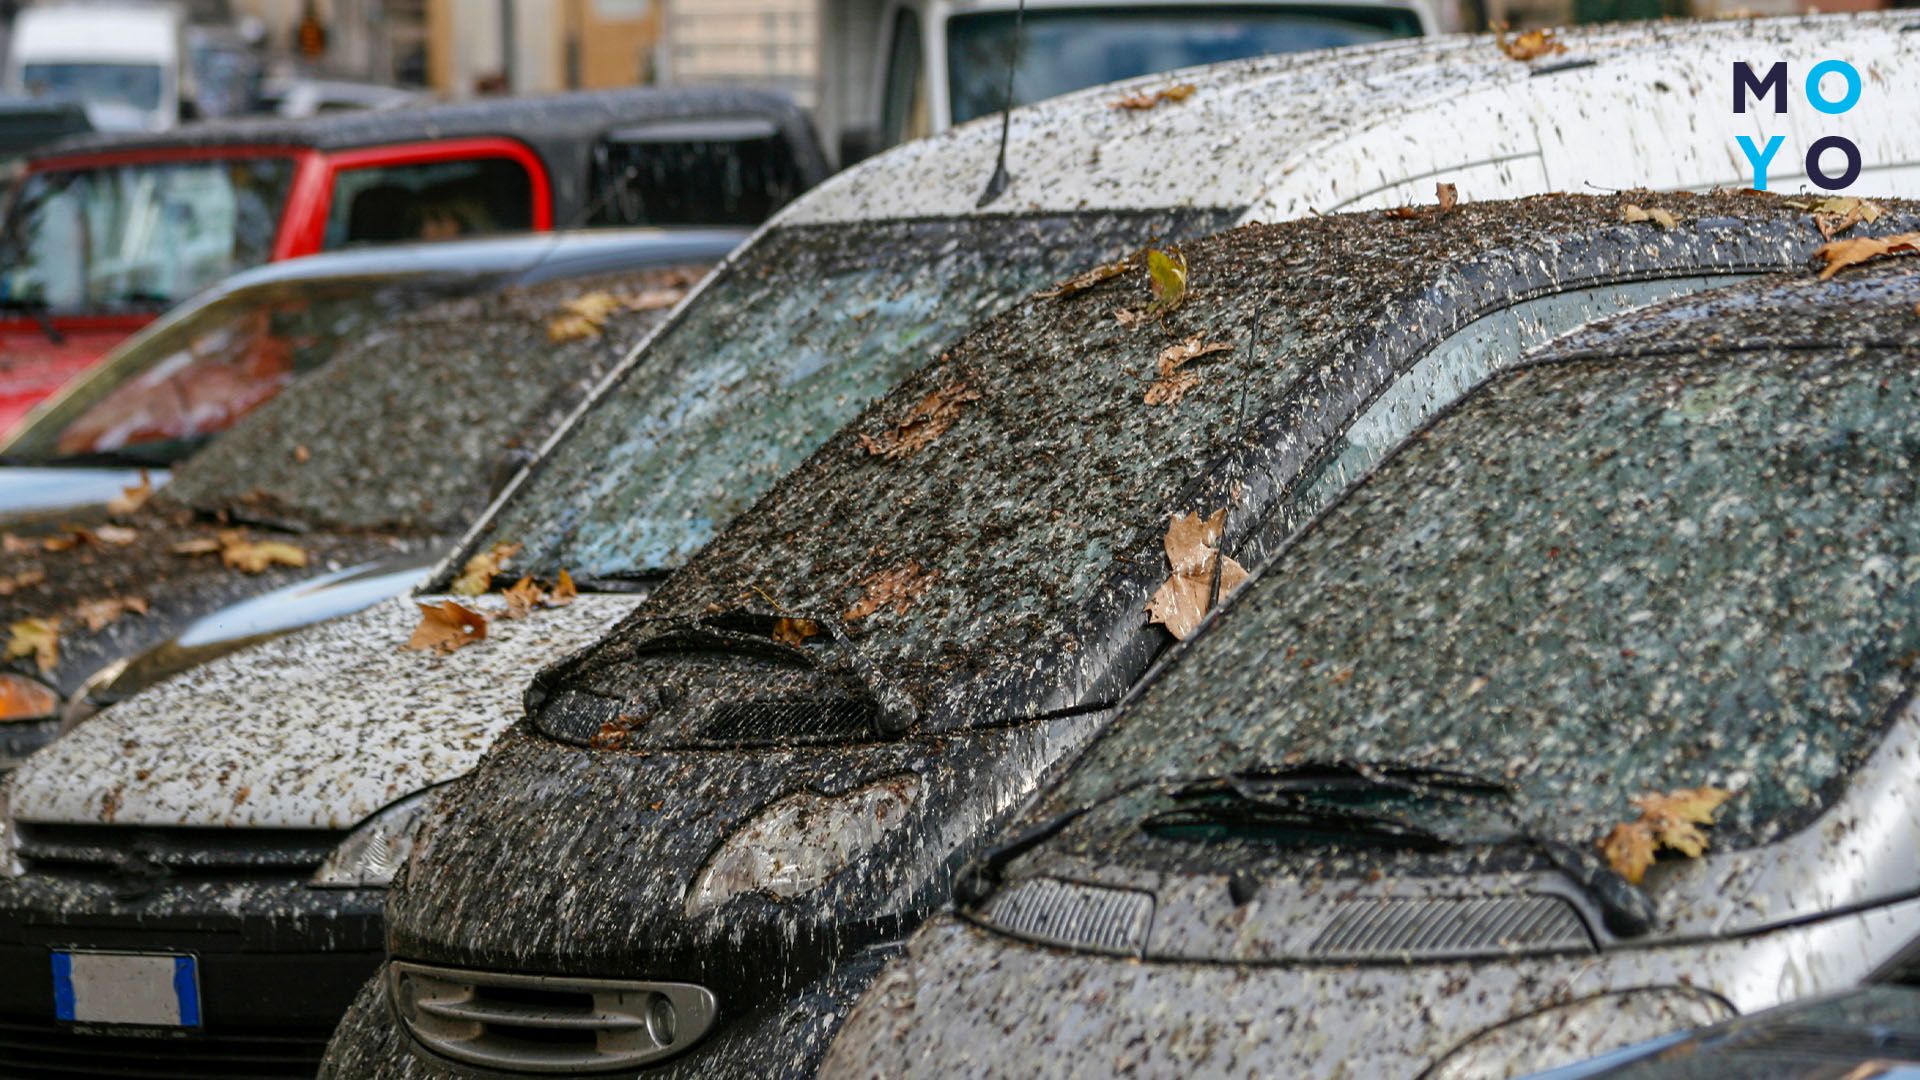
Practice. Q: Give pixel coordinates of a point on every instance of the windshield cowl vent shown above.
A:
(1092, 918)
(1451, 927)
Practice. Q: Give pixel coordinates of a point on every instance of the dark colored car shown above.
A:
(105, 232)
(370, 465)
(1586, 716)
(713, 826)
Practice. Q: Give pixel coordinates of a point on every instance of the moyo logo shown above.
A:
(1775, 83)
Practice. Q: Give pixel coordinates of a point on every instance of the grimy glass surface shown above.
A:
(771, 359)
(1596, 580)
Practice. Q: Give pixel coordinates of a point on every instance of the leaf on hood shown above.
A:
(1448, 196)
(1169, 274)
(1671, 822)
(1192, 547)
(792, 631)
(1086, 279)
(1633, 215)
(926, 420)
(1836, 214)
(38, 638)
(1172, 382)
(133, 498)
(477, 576)
(1147, 99)
(446, 627)
(72, 537)
(256, 556)
(526, 596)
(99, 614)
(897, 588)
(1528, 44)
(1840, 254)
(117, 535)
(583, 316)
(563, 592)
(25, 579)
(16, 545)
(655, 299)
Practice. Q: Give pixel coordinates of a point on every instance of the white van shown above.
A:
(125, 62)
(893, 70)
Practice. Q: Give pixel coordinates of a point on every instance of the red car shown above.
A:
(105, 232)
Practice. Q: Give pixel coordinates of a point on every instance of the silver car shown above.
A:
(1353, 828)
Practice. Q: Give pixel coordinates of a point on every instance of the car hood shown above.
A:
(28, 492)
(317, 729)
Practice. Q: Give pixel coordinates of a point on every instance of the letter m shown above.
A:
(1744, 83)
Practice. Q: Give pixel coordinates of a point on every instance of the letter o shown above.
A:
(1833, 142)
(1833, 67)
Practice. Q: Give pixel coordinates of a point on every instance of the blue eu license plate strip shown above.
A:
(149, 989)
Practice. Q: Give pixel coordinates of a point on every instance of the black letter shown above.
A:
(1744, 83)
(1832, 142)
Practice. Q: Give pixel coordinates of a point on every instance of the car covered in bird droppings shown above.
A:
(717, 822)
(341, 489)
(1586, 716)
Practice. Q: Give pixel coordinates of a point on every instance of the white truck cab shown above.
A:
(893, 70)
(126, 63)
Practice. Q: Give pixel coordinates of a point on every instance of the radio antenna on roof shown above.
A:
(997, 183)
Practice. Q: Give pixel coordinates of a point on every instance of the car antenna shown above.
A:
(1240, 431)
(997, 183)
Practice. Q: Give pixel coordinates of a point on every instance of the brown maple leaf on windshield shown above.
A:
(896, 588)
(1174, 378)
(925, 420)
(1670, 822)
(477, 576)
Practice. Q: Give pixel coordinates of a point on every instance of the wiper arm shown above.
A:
(1227, 802)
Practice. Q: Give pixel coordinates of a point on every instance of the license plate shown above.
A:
(152, 989)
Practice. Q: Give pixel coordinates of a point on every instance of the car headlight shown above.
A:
(374, 852)
(795, 845)
(23, 698)
(1580, 1030)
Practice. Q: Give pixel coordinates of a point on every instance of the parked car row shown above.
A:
(1018, 613)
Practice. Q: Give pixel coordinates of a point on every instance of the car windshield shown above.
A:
(134, 85)
(1064, 49)
(1595, 579)
(407, 429)
(162, 395)
(788, 344)
(138, 237)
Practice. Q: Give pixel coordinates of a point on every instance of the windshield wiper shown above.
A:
(38, 310)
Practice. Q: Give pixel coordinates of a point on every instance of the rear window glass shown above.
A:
(695, 173)
(439, 200)
(1600, 579)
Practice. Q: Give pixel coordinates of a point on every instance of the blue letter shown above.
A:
(1744, 83)
(1759, 159)
(1845, 71)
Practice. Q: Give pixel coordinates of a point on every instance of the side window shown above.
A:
(437, 200)
(903, 109)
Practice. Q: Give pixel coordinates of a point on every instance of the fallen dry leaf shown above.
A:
(523, 597)
(789, 631)
(1840, 254)
(447, 626)
(655, 299)
(1632, 215)
(926, 420)
(99, 614)
(477, 576)
(1147, 99)
(1086, 279)
(1168, 271)
(25, 579)
(1671, 821)
(563, 591)
(206, 545)
(302, 455)
(1172, 383)
(38, 638)
(133, 498)
(255, 556)
(1448, 195)
(1528, 44)
(897, 588)
(73, 537)
(14, 545)
(117, 535)
(1192, 547)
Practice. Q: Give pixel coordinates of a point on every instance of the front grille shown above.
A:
(546, 1023)
(1451, 926)
(119, 849)
(51, 1050)
(1090, 917)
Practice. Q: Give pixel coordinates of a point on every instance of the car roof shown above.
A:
(1282, 136)
(541, 121)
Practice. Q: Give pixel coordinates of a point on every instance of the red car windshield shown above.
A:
(139, 236)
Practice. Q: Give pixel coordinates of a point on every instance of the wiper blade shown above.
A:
(1228, 803)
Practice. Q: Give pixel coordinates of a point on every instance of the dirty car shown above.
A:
(341, 490)
(731, 809)
(1365, 823)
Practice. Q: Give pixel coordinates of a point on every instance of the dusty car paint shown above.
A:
(1032, 614)
(1327, 963)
